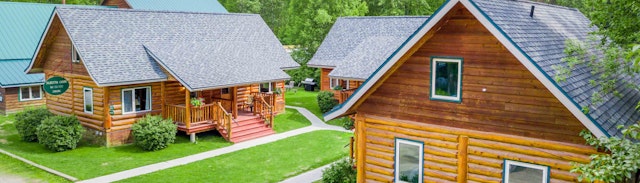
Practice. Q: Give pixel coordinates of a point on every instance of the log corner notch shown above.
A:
(360, 149)
(463, 142)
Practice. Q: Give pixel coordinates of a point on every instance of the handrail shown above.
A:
(264, 110)
(198, 114)
(222, 118)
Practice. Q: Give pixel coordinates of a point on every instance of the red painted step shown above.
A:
(247, 128)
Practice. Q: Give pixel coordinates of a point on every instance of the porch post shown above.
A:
(162, 99)
(234, 101)
(187, 108)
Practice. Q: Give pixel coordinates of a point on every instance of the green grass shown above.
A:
(271, 162)
(291, 119)
(13, 170)
(339, 121)
(307, 99)
(89, 161)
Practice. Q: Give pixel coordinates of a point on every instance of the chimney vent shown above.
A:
(533, 8)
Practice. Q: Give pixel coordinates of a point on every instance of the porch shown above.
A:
(342, 95)
(237, 117)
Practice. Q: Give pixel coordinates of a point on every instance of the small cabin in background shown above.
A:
(124, 64)
(469, 97)
(356, 46)
(203, 6)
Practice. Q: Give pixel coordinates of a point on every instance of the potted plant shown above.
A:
(197, 102)
(278, 91)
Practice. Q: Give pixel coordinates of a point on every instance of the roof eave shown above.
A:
(320, 66)
(42, 37)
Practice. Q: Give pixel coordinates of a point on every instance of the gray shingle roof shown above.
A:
(356, 46)
(210, 69)
(542, 37)
(110, 42)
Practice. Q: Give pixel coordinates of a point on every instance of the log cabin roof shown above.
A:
(205, 6)
(211, 68)
(12, 75)
(111, 42)
(356, 46)
(538, 42)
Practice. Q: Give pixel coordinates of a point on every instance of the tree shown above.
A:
(402, 7)
(618, 37)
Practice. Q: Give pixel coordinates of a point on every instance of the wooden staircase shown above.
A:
(246, 128)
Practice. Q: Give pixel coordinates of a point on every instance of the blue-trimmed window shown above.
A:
(515, 172)
(409, 161)
(88, 99)
(446, 79)
(30, 93)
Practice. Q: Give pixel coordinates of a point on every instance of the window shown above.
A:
(409, 161)
(88, 99)
(333, 83)
(515, 172)
(30, 93)
(446, 79)
(224, 91)
(265, 87)
(75, 56)
(136, 100)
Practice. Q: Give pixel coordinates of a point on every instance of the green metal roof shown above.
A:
(21, 26)
(205, 6)
(12, 74)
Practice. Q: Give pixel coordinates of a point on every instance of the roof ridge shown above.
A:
(156, 11)
(380, 17)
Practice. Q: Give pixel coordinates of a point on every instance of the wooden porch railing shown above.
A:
(222, 118)
(342, 95)
(263, 109)
(199, 114)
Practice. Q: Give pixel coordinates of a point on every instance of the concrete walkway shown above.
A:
(316, 124)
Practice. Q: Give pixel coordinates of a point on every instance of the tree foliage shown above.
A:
(402, 7)
(618, 39)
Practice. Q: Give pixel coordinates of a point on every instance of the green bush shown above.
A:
(339, 172)
(326, 102)
(28, 121)
(347, 123)
(153, 133)
(60, 133)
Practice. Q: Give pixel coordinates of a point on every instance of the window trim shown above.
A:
(333, 82)
(150, 98)
(30, 93)
(347, 84)
(432, 89)
(507, 162)
(420, 144)
(270, 90)
(84, 100)
(75, 56)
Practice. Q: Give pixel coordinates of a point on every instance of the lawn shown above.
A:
(13, 170)
(271, 162)
(291, 119)
(307, 99)
(301, 98)
(89, 161)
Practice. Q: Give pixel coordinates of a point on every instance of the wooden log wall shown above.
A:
(498, 93)
(325, 83)
(12, 104)
(120, 121)
(444, 158)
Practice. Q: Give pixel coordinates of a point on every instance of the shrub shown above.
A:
(347, 123)
(339, 172)
(28, 121)
(60, 133)
(153, 133)
(326, 102)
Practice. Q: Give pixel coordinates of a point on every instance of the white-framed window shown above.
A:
(515, 172)
(265, 87)
(409, 161)
(446, 79)
(88, 99)
(334, 82)
(75, 56)
(30, 93)
(136, 100)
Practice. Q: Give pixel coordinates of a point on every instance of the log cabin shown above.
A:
(356, 46)
(123, 64)
(21, 29)
(204, 6)
(470, 97)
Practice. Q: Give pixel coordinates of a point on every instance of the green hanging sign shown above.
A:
(56, 85)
